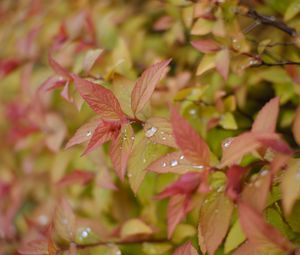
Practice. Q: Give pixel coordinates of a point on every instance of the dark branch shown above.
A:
(281, 63)
(271, 21)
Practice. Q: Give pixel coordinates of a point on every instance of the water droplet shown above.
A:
(88, 133)
(174, 162)
(193, 111)
(150, 132)
(129, 175)
(253, 62)
(162, 132)
(264, 172)
(181, 157)
(164, 164)
(164, 138)
(43, 219)
(84, 233)
(132, 138)
(198, 167)
(226, 143)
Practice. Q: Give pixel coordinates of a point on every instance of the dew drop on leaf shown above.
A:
(226, 143)
(181, 157)
(174, 162)
(89, 133)
(164, 164)
(151, 131)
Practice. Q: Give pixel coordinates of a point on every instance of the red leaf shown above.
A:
(100, 99)
(120, 150)
(266, 119)
(206, 45)
(84, 133)
(186, 184)
(76, 177)
(263, 236)
(104, 132)
(178, 208)
(186, 249)
(275, 143)
(223, 63)
(215, 218)
(234, 176)
(145, 85)
(246, 249)
(58, 68)
(296, 126)
(9, 65)
(191, 144)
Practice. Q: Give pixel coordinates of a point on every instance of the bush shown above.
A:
(189, 112)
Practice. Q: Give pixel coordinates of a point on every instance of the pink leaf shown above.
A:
(234, 185)
(104, 132)
(186, 184)
(100, 99)
(246, 249)
(263, 236)
(223, 63)
(296, 126)
(145, 85)
(206, 45)
(84, 133)
(36, 247)
(186, 249)
(178, 208)
(191, 144)
(76, 177)
(266, 119)
(120, 150)
(58, 69)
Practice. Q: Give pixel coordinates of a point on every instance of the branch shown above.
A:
(281, 63)
(271, 21)
(103, 243)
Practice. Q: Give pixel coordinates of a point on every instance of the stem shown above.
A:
(102, 243)
(271, 21)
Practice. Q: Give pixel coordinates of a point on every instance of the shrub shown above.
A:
(189, 112)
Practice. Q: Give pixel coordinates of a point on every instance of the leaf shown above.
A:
(234, 237)
(58, 69)
(255, 193)
(207, 63)
(64, 221)
(120, 150)
(173, 162)
(223, 63)
(206, 45)
(266, 119)
(292, 10)
(159, 130)
(186, 184)
(135, 228)
(100, 99)
(90, 59)
(144, 153)
(191, 144)
(104, 132)
(234, 183)
(56, 131)
(76, 177)
(264, 237)
(178, 208)
(296, 126)
(202, 27)
(215, 218)
(36, 247)
(246, 249)
(186, 249)
(290, 185)
(145, 85)
(84, 133)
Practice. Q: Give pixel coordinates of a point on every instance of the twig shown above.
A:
(271, 21)
(281, 63)
(102, 243)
